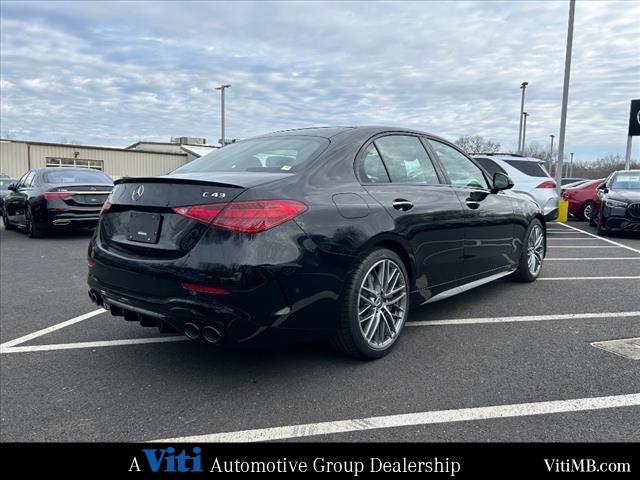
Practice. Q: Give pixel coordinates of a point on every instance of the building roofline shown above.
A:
(90, 147)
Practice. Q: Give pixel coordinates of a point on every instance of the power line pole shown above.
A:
(565, 95)
(223, 140)
(523, 87)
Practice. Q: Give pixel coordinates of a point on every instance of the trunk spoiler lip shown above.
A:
(242, 180)
(186, 181)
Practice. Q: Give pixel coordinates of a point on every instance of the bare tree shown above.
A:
(477, 144)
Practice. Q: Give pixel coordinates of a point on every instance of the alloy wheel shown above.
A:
(382, 303)
(535, 250)
(587, 211)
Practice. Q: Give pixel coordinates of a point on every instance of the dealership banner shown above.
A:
(634, 118)
(353, 460)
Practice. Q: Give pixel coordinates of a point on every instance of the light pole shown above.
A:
(523, 87)
(565, 95)
(223, 140)
(571, 165)
(524, 131)
(551, 152)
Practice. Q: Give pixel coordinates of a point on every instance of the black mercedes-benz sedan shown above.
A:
(336, 231)
(45, 199)
(617, 208)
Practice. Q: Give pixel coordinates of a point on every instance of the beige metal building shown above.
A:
(18, 157)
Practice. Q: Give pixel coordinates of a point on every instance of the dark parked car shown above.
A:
(331, 231)
(54, 198)
(617, 207)
(5, 181)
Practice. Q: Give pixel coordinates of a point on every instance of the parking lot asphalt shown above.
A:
(503, 362)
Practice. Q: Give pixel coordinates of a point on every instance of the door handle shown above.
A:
(402, 204)
(472, 204)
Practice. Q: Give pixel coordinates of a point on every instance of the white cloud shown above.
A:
(114, 72)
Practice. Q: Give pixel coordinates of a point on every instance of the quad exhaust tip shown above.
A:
(211, 334)
(191, 330)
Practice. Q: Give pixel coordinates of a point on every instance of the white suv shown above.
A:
(529, 176)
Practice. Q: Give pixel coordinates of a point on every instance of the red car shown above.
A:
(581, 198)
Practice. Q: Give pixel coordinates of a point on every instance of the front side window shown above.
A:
(274, 154)
(406, 160)
(28, 181)
(462, 171)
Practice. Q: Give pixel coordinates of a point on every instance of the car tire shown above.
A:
(5, 219)
(592, 219)
(365, 336)
(33, 230)
(585, 211)
(533, 253)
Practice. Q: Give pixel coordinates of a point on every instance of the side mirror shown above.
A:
(603, 187)
(501, 181)
(12, 187)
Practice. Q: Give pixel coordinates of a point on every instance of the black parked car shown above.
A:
(617, 208)
(54, 198)
(330, 230)
(5, 181)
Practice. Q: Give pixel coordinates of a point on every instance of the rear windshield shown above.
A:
(490, 166)
(77, 176)
(626, 181)
(533, 169)
(275, 154)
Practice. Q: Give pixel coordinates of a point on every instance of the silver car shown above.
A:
(529, 176)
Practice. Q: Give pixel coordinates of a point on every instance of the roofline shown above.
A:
(172, 143)
(90, 147)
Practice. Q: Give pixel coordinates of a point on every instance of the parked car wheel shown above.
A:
(5, 219)
(375, 304)
(33, 230)
(602, 231)
(586, 210)
(533, 253)
(593, 219)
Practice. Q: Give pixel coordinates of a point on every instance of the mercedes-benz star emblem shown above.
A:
(137, 192)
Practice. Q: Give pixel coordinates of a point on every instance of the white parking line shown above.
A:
(524, 318)
(562, 239)
(105, 343)
(45, 331)
(420, 418)
(590, 278)
(582, 246)
(602, 238)
(566, 259)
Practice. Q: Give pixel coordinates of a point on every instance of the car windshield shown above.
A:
(5, 182)
(275, 154)
(56, 176)
(626, 181)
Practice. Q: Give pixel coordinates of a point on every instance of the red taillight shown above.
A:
(547, 184)
(201, 213)
(252, 216)
(52, 195)
(204, 289)
(105, 207)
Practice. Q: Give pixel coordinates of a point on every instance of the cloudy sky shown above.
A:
(113, 73)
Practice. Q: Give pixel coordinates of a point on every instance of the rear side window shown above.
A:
(406, 160)
(490, 166)
(372, 169)
(275, 154)
(61, 176)
(462, 171)
(533, 169)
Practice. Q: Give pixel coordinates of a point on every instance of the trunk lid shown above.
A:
(141, 220)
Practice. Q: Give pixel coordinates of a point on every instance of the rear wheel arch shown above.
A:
(400, 250)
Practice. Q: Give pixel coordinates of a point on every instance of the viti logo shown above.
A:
(166, 460)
